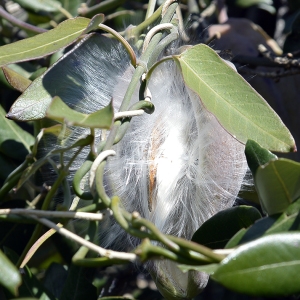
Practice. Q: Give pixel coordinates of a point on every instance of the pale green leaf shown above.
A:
(16, 80)
(32, 104)
(268, 266)
(236, 105)
(60, 112)
(61, 79)
(40, 5)
(10, 277)
(278, 184)
(45, 43)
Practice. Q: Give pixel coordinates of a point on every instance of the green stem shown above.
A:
(99, 185)
(124, 219)
(5, 15)
(136, 31)
(158, 235)
(38, 228)
(100, 8)
(150, 9)
(154, 66)
(162, 45)
(80, 173)
(122, 40)
(197, 248)
(13, 178)
(91, 208)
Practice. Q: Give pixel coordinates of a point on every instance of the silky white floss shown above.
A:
(176, 167)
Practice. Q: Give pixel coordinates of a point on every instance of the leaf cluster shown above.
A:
(241, 249)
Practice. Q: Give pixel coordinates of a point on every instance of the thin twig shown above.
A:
(7, 16)
(52, 214)
(101, 251)
(124, 114)
(274, 74)
(279, 60)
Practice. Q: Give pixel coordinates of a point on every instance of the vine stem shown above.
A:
(150, 8)
(153, 31)
(122, 40)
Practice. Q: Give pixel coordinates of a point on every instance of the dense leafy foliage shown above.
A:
(245, 248)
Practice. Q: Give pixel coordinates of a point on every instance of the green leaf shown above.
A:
(40, 5)
(45, 43)
(6, 166)
(247, 3)
(268, 266)
(209, 269)
(71, 6)
(236, 239)
(16, 80)
(10, 277)
(32, 104)
(257, 156)
(31, 286)
(219, 229)
(236, 105)
(60, 112)
(278, 184)
(262, 4)
(14, 141)
(37, 73)
(78, 286)
(115, 298)
(72, 85)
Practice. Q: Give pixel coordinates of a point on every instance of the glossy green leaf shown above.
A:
(278, 184)
(16, 80)
(257, 156)
(287, 221)
(45, 43)
(40, 5)
(236, 105)
(14, 141)
(236, 239)
(209, 269)
(258, 229)
(268, 266)
(60, 112)
(219, 229)
(10, 277)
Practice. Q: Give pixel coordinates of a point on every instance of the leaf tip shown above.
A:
(9, 116)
